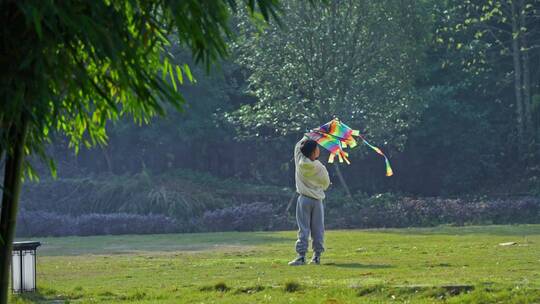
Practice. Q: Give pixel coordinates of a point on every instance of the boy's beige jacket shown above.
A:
(311, 176)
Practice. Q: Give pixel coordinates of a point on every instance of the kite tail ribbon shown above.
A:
(389, 171)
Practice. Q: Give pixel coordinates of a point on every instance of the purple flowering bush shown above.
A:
(422, 212)
(41, 223)
(245, 217)
(378, 211)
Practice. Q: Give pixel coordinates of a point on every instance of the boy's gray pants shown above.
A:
(310, 219)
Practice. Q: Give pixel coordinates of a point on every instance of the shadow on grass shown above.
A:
(33, 297)
(358, 265)
(43, 296)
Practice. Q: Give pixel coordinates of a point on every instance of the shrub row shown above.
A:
(245, 217)
(182, 195)
(41, 223)
(389, 211)
(365, 212)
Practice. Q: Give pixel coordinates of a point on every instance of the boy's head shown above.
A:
(310, 149)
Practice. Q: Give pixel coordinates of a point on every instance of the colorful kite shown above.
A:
(334, 136)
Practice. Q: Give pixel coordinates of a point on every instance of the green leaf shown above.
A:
(52, 167)
(37, 22)
(171, 75)
(188, 73)
(179, 75)
(165, 68)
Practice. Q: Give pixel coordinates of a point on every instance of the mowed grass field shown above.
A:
(434, 265)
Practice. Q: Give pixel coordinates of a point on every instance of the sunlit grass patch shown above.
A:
(445, 265)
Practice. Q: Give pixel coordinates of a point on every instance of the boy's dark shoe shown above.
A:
(316, 260)
(300, 260)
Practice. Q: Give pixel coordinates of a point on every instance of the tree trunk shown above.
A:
(10, 200)
(108, 159)
(3, 128)
(517, 78)
(529, 128)
(1, 158)
(343, 182)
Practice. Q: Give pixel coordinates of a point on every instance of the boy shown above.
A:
(311, 182)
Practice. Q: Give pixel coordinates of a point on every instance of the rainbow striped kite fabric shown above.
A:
(334, 136)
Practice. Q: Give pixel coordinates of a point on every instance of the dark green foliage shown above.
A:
(72, 66)
(364, 291)
(251, 289)
(206, 288)
(456, 134)
(407, 292)
(136, 296)
(292, 286)
(333, 60)
(457, 147)
(83, 73)
(221, 286)
(181, 194)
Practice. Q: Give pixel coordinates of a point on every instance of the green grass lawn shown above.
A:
(444, 264)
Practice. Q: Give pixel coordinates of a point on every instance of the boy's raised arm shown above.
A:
(297, 152)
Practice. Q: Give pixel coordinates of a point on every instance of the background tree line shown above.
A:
(435, 84)
(426, 81)
(449, 89)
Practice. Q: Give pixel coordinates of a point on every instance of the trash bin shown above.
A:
(23, 266)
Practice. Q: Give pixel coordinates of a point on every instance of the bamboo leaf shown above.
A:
(188, 73)
(179, 75)
(37, 22)
(171, 75)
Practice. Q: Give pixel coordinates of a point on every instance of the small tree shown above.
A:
(71, 66)
(352, 59)
(499, 34)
